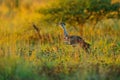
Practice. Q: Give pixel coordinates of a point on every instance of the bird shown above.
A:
(74, 39)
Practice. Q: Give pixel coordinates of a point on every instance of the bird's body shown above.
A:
(74, 40)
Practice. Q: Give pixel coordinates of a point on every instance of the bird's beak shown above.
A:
(58, 24)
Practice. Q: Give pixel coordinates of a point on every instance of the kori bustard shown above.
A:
(74, 40)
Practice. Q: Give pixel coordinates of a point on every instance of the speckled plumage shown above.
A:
(74, 40)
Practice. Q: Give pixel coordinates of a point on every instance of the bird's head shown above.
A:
(62, 24)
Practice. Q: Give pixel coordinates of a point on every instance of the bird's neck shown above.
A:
(65, 32)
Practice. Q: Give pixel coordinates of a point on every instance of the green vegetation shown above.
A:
(80, 11)
(23, 56)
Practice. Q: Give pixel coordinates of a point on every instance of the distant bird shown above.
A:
(74, 40)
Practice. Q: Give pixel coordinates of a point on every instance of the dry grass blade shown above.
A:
(37, 30)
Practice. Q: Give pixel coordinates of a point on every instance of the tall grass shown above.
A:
(24, 57)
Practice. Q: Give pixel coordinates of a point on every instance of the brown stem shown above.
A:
(37, 30)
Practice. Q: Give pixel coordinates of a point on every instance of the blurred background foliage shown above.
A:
(81, 11)
(24, 57)
(77, 11)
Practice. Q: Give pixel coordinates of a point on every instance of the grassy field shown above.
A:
(23, 56)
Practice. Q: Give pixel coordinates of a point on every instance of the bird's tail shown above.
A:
(86, 47)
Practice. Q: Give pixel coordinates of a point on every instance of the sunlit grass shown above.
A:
(23, 56)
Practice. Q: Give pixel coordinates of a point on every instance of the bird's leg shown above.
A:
(76, 53)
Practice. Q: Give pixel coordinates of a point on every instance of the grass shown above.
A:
(24, 57)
